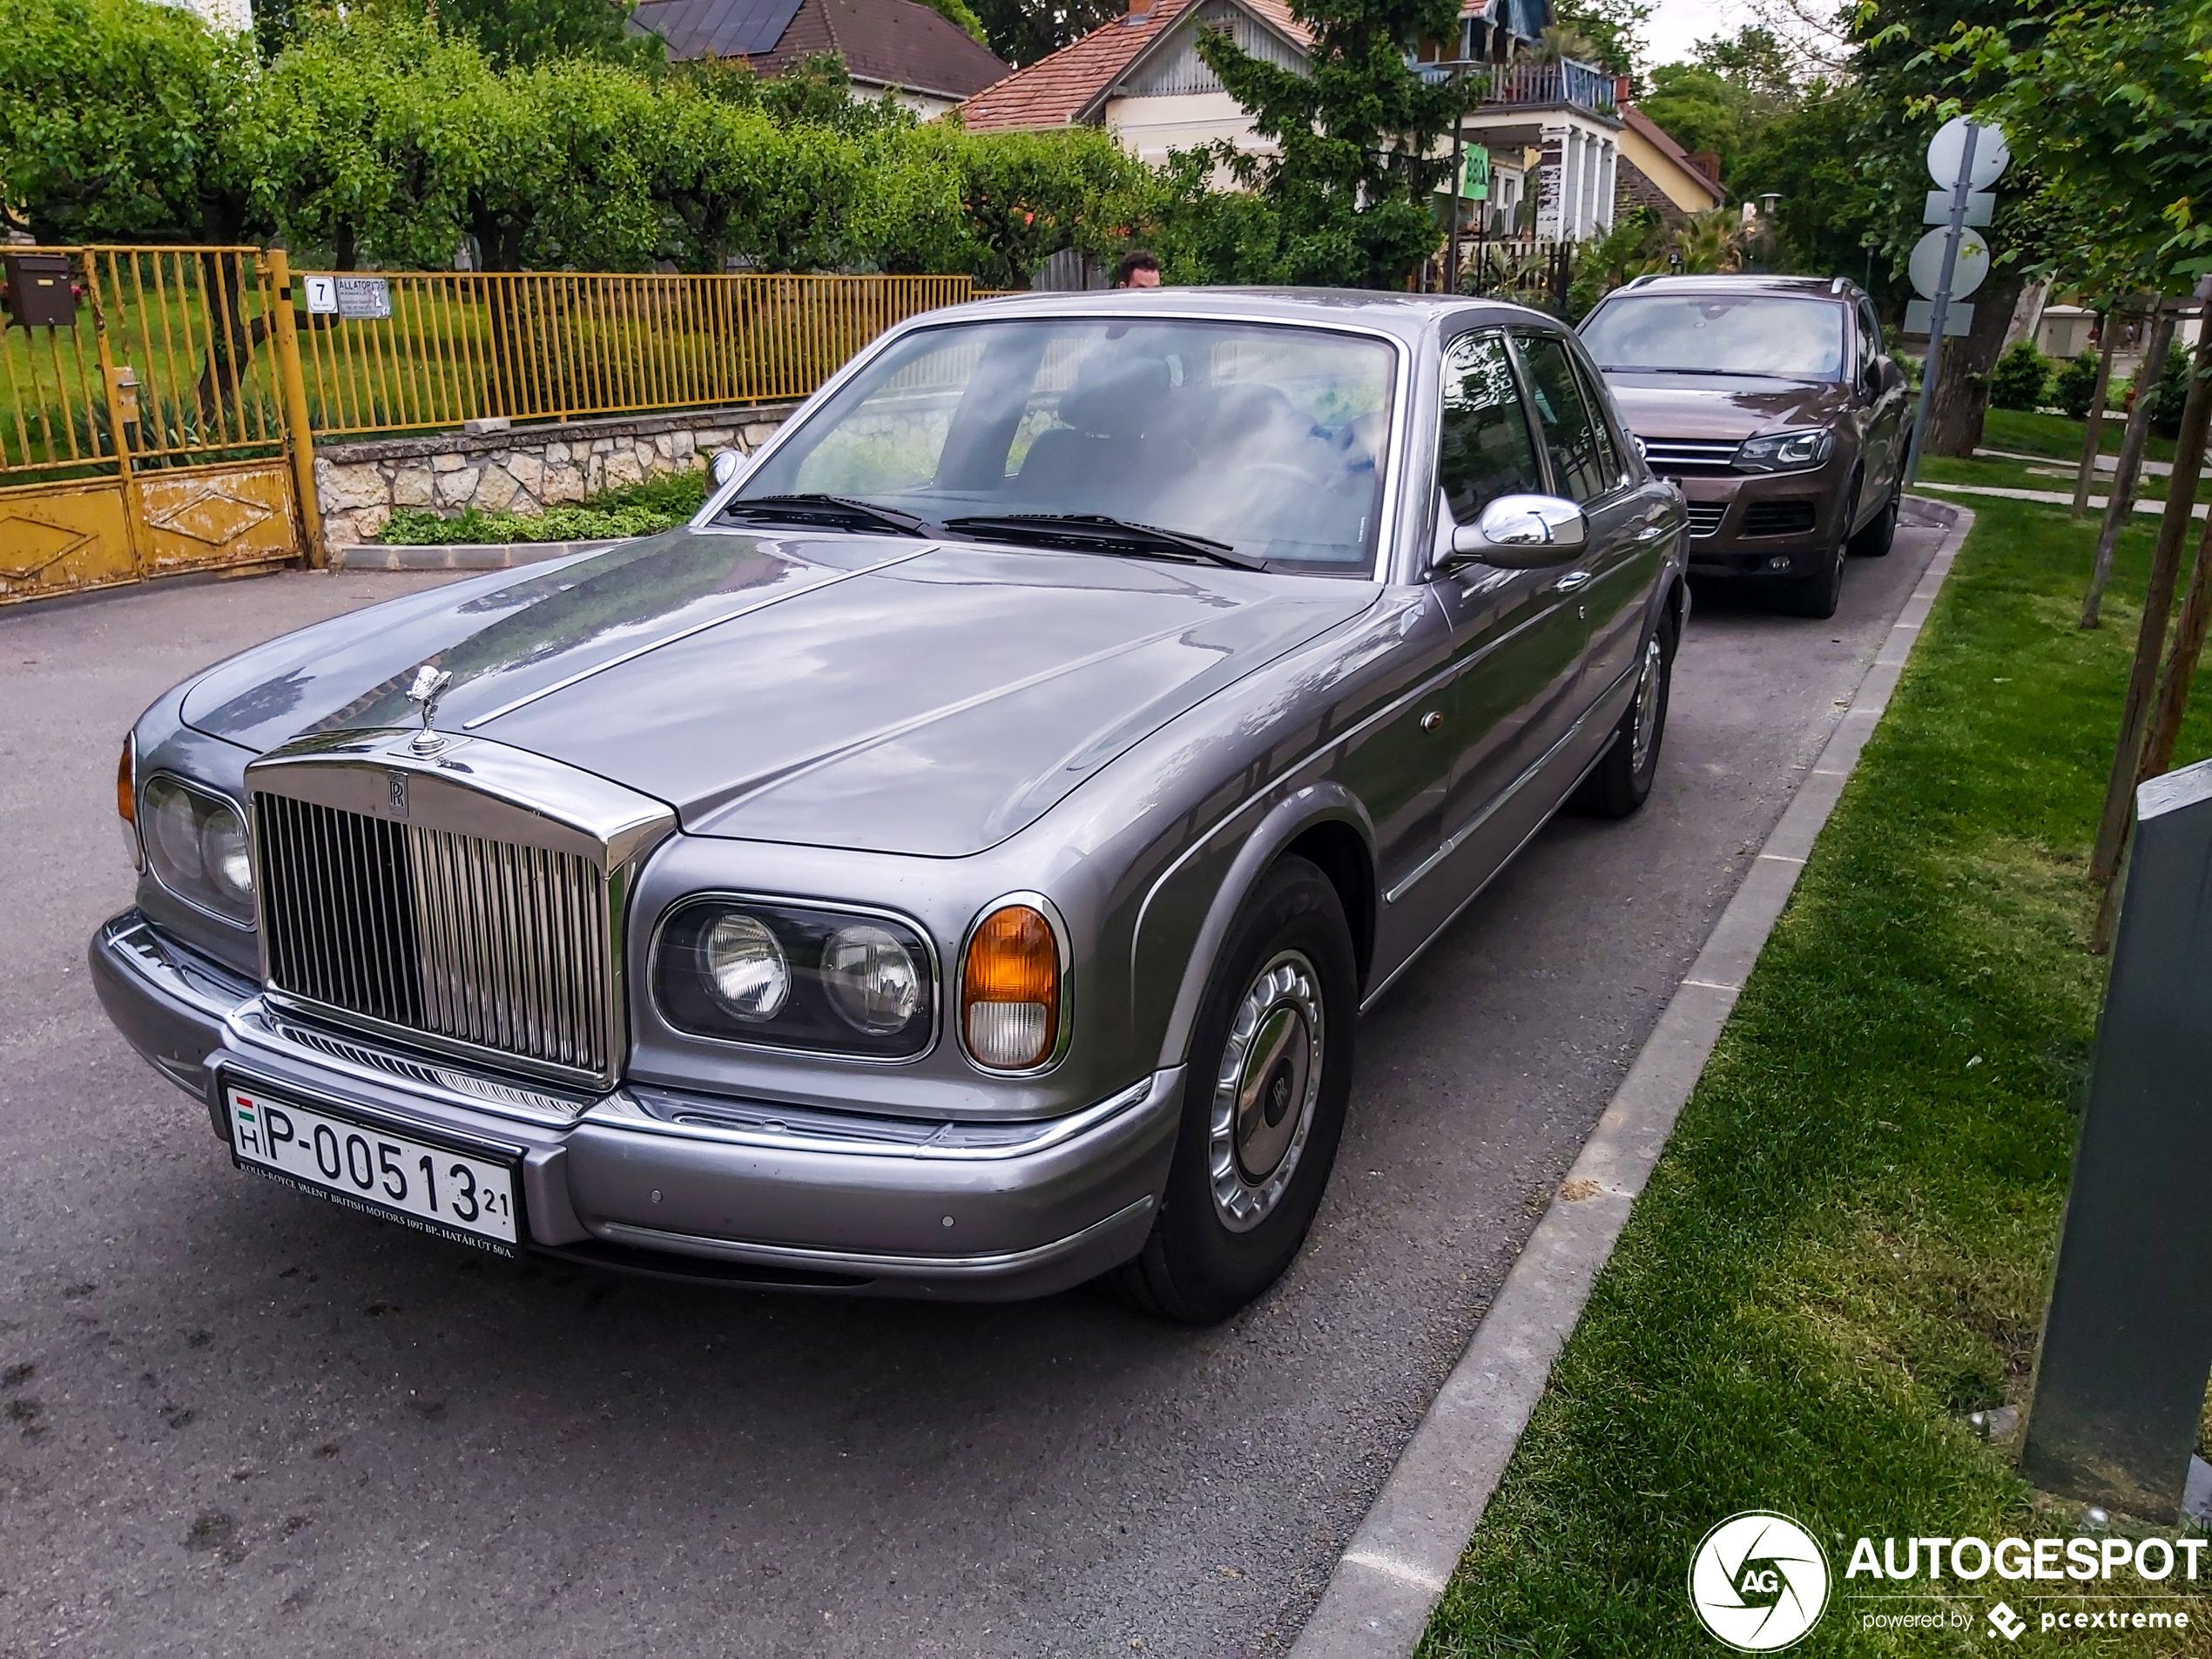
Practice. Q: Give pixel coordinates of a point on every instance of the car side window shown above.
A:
(1616, 470)
(1579, 470)
(1870, 339)
(1483, 448)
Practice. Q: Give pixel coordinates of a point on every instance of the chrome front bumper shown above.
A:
(697, 1186)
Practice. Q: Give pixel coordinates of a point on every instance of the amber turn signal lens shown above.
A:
(126, 797)
(1010, 993)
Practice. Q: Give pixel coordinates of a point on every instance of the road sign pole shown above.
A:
(1938, 311)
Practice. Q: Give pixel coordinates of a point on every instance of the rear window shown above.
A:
(1715, 334)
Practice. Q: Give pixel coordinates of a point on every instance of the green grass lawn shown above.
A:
(1847, 1242)
(634, 510)
(2060, 436)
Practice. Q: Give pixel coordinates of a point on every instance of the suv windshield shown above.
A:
(1719, 334)
(1264, 441)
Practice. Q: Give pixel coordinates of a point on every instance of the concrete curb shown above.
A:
(458, 555)
(1396, 1567)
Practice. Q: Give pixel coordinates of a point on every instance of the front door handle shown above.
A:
(1652, 531)
(1571, 581)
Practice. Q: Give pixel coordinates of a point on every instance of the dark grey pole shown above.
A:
(1940, 309)
(2127, 1348)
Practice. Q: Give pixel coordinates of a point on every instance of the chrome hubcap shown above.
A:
(1265, 1090)
(1646, 727)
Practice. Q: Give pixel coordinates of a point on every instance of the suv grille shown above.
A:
(484, 942)
(1705, 518)
(1677, 456)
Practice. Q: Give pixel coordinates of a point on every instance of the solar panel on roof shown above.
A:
(726, 28)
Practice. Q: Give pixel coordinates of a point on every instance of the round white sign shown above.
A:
(1758, 1581)
(1925, 264)
(1948, 148)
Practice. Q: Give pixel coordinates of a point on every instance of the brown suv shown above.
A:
(1770, 402)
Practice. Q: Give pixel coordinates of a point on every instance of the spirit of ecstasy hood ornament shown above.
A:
(430, 683)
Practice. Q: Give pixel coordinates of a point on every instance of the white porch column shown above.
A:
(1550, 183)
(1606, 183)
(1570, 193)
(1591, 170)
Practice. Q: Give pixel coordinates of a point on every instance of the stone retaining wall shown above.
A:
(521, 469)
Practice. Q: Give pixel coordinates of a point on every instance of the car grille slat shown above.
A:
(1705, 518)
(1688, 455)
(493, 944)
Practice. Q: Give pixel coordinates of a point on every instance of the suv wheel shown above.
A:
(1263, 1102)
(1881, 530)
(1819, 594)
(1622, 780)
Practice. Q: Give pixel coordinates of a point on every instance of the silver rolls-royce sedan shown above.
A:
(953, 864)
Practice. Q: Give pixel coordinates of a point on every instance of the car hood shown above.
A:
(1722, 406)
(861, 691)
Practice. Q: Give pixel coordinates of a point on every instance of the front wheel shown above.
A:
(1622, 780)
(1263, 1106)
(1880, 533)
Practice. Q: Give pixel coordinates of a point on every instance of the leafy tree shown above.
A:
(1021, 32)
(1613, 30)
(517, 33)
(114, 116)
(1359, 136)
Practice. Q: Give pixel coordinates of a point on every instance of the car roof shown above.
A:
(1810, 287)
(1411, 317)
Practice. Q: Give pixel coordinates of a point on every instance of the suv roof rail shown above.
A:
(1836, 286)
(1638, 281)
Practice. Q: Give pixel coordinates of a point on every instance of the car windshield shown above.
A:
(1715, 333)
(1265, 440)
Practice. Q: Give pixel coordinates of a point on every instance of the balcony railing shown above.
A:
(1582, 86)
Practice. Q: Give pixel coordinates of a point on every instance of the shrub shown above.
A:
(2020, 379)
(2075, 387)
(658, 504)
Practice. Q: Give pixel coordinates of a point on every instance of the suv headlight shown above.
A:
(195, 845)
(796, 976)
(1785, 451)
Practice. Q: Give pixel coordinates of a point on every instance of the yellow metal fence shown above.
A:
(459, 346)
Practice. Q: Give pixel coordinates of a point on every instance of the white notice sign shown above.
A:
(364, 299)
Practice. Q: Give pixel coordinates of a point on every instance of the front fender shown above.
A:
(1186, 917)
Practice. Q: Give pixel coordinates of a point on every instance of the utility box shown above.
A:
(2127, 1348)
(40, 290)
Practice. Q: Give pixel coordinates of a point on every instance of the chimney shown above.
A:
(1622, 86)
(1707, 162)
(1139, 8)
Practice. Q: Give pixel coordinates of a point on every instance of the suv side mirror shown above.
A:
(1521, 533)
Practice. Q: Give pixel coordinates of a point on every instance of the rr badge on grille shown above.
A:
(396, 783)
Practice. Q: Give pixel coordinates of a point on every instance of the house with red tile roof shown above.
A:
(1655, 171)
(1543, 147)
(893, 46)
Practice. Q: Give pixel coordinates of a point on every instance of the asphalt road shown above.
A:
(233, 1419)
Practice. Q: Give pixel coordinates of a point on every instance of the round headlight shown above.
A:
(223, 859)
(746, 967)
(872, 979)
(172, 832)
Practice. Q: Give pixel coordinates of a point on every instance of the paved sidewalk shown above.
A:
(2105, 463)
(2055, 497)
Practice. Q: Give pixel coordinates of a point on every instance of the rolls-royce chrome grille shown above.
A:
(486, 942)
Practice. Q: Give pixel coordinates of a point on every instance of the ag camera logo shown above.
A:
(1758, 1581)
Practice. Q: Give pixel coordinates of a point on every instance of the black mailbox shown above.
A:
(39, 290)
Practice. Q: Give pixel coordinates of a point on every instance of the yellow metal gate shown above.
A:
(151, 420)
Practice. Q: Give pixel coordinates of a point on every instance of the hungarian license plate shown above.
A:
(435, 1188)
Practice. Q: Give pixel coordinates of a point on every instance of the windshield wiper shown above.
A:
(1097, 533)
(847, 512)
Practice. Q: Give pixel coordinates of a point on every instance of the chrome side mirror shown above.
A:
(727, 464)
(1522, 533)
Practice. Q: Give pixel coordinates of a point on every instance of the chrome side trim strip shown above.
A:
(1004, 1263)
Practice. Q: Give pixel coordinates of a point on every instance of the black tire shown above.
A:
(1880, 532)
(1819, 594)
(1620, 781)
(1197, 1267)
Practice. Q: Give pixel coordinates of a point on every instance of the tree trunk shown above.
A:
(2092, 439)
(2131, 754)
(2122, 500)
(1962, 389)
